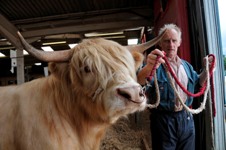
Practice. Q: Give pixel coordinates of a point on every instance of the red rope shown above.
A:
(153, 69)
(202, 89)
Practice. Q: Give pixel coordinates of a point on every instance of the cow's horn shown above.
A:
(55, 56)
(142, 47)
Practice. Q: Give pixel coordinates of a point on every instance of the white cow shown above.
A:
(89, 88)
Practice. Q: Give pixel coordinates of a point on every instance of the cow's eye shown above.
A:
(87, 69)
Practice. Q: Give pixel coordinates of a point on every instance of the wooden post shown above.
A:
(20, 66)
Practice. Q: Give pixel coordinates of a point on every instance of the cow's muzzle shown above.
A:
(134, 94)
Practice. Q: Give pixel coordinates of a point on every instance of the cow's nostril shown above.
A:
(124, 94)
(141, 93)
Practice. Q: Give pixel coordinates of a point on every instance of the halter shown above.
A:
(203, 90)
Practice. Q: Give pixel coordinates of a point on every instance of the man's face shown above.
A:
(170, 43)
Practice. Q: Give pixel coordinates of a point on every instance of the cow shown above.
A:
(89, 88)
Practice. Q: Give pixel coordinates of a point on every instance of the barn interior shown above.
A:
(58, 25)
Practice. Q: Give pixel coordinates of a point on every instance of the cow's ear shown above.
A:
(59, 69)
(138, 58)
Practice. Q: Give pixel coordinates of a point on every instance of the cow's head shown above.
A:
(102, 74)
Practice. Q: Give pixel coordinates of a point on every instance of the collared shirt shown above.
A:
(179, 71)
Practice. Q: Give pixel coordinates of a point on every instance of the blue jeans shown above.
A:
(172, 130)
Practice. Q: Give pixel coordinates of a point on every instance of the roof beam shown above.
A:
(86, 14)
(87, 28)
(9, 31)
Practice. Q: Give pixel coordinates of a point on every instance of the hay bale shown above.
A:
(127, 135)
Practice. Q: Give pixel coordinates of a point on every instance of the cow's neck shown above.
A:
(90, 131)
(88, 134)
(74, 120)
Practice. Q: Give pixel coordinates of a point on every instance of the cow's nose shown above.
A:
(133, 93)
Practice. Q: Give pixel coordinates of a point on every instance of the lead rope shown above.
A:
(148, 79)
(207, 86)
(169, 72)
(204, 89)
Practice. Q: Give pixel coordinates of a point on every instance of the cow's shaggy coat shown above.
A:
(71, 108)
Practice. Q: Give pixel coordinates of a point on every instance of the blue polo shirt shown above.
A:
(167, 96)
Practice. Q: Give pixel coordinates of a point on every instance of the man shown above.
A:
(172, 127)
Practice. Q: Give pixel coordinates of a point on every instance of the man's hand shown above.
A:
(152, 58)
(210, 62)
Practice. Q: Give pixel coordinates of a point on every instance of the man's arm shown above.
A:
(143, 73)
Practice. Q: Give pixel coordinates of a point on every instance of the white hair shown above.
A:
(169, 27)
